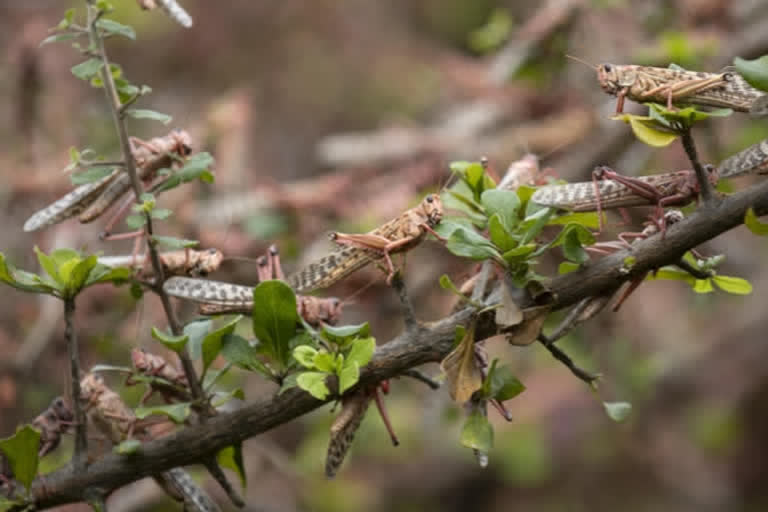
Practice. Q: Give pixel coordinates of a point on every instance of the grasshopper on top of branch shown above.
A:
(91, 200)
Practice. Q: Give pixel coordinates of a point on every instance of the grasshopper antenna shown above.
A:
(593, 66)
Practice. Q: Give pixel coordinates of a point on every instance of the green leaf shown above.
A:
(447, 284)
(50, 265)
(129, 447)
(703, 286)
(754, 225)
(305, 355)
(755, 72)
(275, 318)
(647, 130)
(212, 343)
(161, 213)
(178, 413)
(566, 267)
(21, 452)
(345, 333)
(85, 70)
(518, 254)
(140, 113)
(493, 34)
(618, 411)
(470, 244)
(349, 376)
(288, 383)
(502, 384)
(197, 331)
(324, 362)
(499, 234)
(231, 457)
(238, 351)
(361, 352)
(574, 242)
(104, 274)
(314, 384)
(90, 175)
(175, 343)
(734, 285)
(504, 203)
(534, 223)
(21, 280)
(586, 219)
(672, 275)
(135, 220)
(196, 167)
(114, 28)
(175, 243)
(477, 433)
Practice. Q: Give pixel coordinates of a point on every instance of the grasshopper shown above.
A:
(609, 189)
(117, 422)
(675, 85)
(345, 425)
(91, 200)
(52, 424)
(358, 250)
(166, 379)
(753, 160)
(219, 298)
(184, 262)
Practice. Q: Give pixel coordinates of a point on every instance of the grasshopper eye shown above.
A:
(608, 68)
(430, 198)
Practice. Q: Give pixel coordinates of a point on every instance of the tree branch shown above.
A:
(428, 344)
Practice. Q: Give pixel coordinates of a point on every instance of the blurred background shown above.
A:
(340, 114)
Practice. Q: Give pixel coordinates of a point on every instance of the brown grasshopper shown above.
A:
(184, 262)
(609, 189)
(91, 200)
(358, 250)
(219, 298)
(753, 160)
(117, 422)
(345, 425)
(675, 85)
(53, 423)
(167, 380)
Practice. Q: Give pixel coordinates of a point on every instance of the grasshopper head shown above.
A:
(610, 78)
(432, 208)
(91, 386)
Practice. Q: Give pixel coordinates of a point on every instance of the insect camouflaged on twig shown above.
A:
(91, 200)
(675, 85)
(184, 262)
(753, 160)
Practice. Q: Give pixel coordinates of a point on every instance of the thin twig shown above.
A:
(416, 374)
(216, 472)
(695, 272)
(705, 187)
(564, 358)
(70, 334)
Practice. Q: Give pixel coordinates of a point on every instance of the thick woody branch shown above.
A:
(430, 343)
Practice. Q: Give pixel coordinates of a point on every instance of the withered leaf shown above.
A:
(526, 332)
(461, 370)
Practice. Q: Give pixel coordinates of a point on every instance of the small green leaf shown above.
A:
(504, 203)
(324, 362)
(178, 413)
(161, 213)
(618, 411)
(212, 343)
(305, 355)
(345, 333)
(238, 351)
(518, 254)
(314, 384)
(734, 285)
(477, 433)
(175, 243)
(135, 221)
(573, 249)
(534, 223)
(703, 286)
(447, 284)
(137, 292)
(587, 219)
(175, 343)
(140, 113)
(361, 352)
(470, 244)
(503, 385)
(129, 447)
(275, 318)
(104, 274)
(55, 38)
(755, 72)
(85, 70)
(648, 131)
(754, 225)
(349, 376)
(114, 28)
(197, 330)
(196, 167)
(499, 234)
(21, 452)
(231, 457)
(566, 267)
(50, 266)
(288, 383)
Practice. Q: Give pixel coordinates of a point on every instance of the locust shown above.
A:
(166, 379)
(218, 298)
(185, 262)
(91, 200)
(358, 250)
(675, 85)
(52, 424)
(608, 189)
(107, 411)
(753, 160)
(345, 425)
